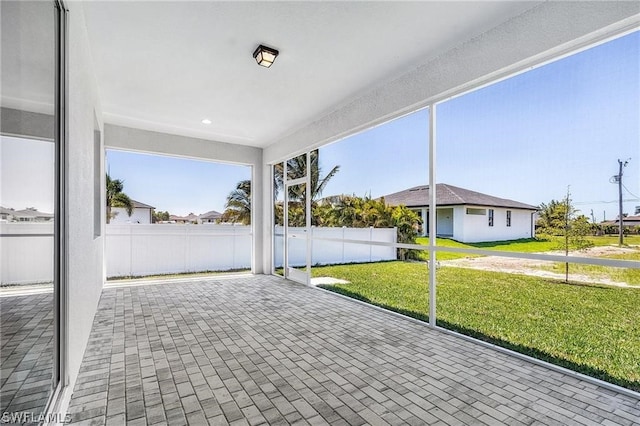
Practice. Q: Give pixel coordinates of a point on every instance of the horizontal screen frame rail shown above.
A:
(518, 255)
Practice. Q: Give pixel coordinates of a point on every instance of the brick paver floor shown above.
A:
(261, 350)
(26, 352)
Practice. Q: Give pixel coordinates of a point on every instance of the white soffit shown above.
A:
(165, 66)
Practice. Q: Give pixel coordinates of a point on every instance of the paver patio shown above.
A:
(262, 350)
(26, 344)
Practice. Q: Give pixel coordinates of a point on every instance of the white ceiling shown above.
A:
(165, 66)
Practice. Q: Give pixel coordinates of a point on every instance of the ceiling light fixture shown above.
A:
(265, 56)
(206, 121)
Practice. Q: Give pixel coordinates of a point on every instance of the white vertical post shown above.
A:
(186, 247)
(233, 257)
(130, 251)
(285, 224)
(343, 231)
(308, 216)
(272, 218)
(370, 245)
(432, 215)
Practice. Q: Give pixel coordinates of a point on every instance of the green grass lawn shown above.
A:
(527, 245)
(593, 330)
(179, 275)
(609, 240)
(622, 275)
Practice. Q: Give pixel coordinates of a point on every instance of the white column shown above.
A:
(432, 217)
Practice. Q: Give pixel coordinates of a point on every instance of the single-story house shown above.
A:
(627, 221)
(190, 218)
(6, 215)
(31, 214)
(469, 216)
(209, 217)
(142, 213)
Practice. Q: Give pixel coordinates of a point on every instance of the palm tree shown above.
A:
(297, 167)
(117, 198)
(238, 206)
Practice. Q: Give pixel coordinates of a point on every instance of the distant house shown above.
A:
(469, 216)
(6, 215)
(190, 218)
(142, 213)
(627, 221)
(30, 214)
(209, 217)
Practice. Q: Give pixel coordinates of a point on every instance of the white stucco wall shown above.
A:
(139, 215)
(476, 227)
(85, 270)
(458, 222)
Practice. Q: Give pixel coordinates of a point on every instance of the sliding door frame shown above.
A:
(60, 296)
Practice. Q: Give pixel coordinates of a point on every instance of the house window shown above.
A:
(479, 212)
(508, 217)
(490, 217)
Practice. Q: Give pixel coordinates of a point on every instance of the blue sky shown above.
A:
(526, 138)
(178, 185)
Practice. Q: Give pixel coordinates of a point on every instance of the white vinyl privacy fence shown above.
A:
(26, 249)
(26, 253)
(136, 250)
(338, 250)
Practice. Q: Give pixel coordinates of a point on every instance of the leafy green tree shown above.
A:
(552, 217)
(364, 212)
(576, 234)
(407, 223)
(345, 211)
(278, 213)
(160, 216)
(117, 198)
(297, 167)
(561, 219)
(297, 195)
(238, 206)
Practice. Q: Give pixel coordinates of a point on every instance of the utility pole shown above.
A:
(618, 178)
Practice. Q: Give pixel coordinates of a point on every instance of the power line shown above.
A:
(578, 203)
(631, 193)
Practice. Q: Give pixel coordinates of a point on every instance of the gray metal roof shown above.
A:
(139, 205)
(29, 212)
(626, 220)
(210, 215)
(449, 195)
(4, 210)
